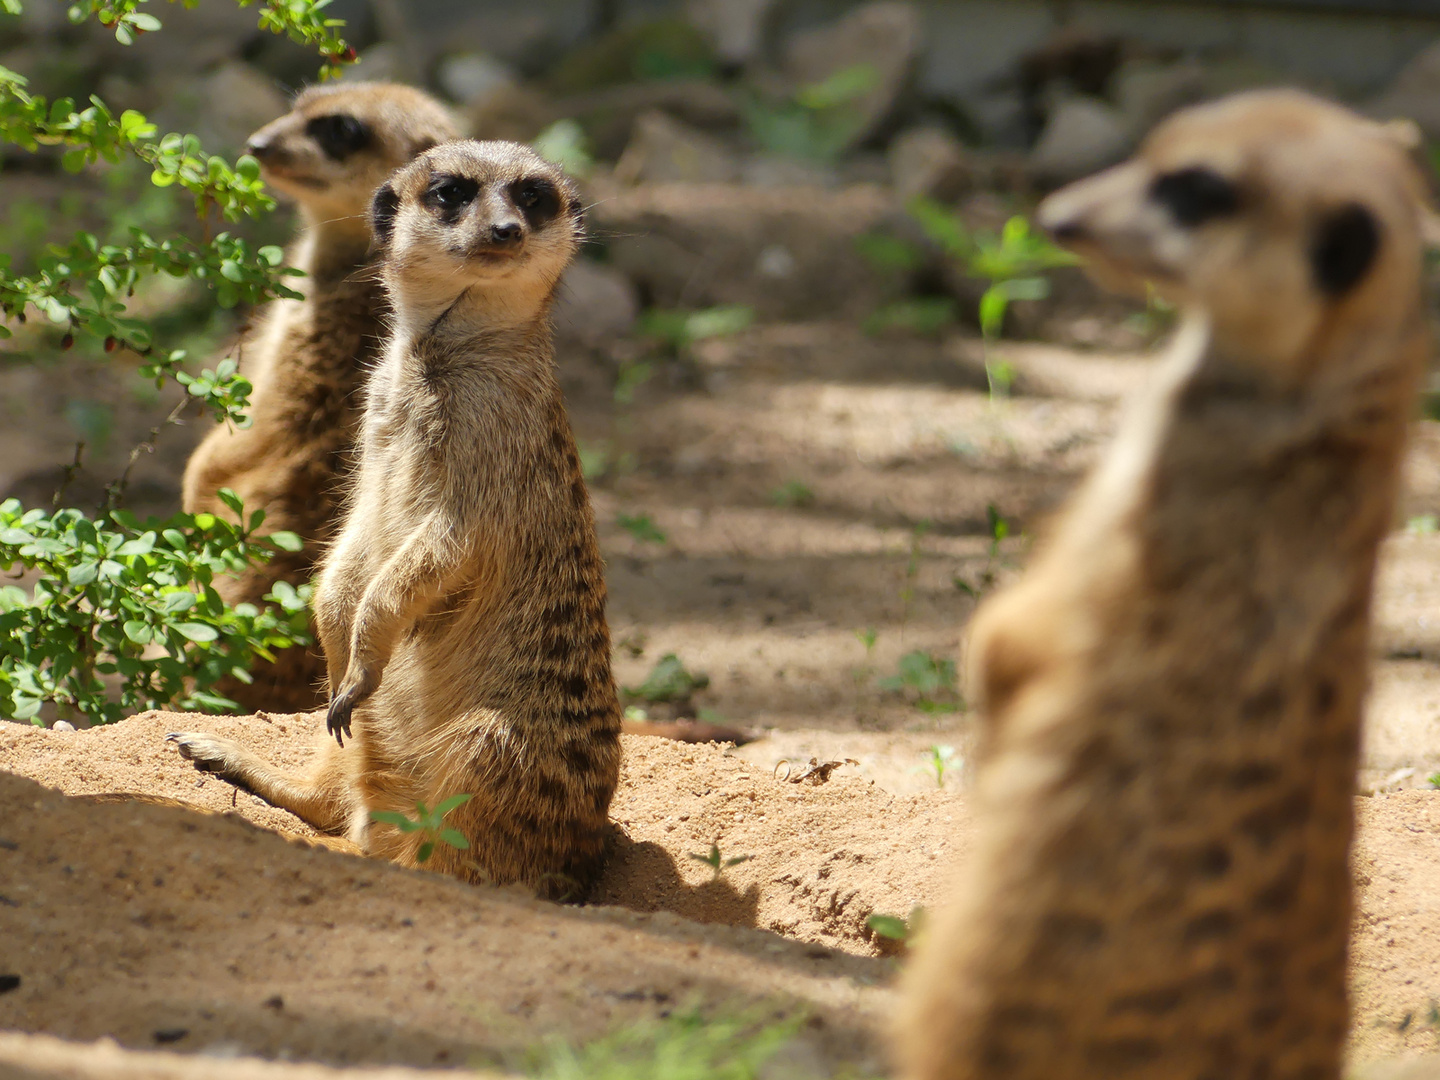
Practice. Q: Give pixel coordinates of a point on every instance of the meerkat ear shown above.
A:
(1345, 247)
(382, 214)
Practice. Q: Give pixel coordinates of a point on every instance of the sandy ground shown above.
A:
(137, 920)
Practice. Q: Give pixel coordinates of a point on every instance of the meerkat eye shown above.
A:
(1195, 195)
(537, 199)
(451, 194)
(339, 135)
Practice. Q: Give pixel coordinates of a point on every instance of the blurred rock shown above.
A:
(929, 162)
(62, 725)
(1081, 136)
(466, 77)
(1146, 92)
(785, 252)
(736, 28)
(609, 113)
(666, 48)
(1414, 94)
(779, 171)
(1074, 60)
(508, 110)
(595, 304)
(379, 63)
(663, 150)
(885, 36)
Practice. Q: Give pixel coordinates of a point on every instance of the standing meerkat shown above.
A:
(308, 358)
(462, 608)
(1173, 692)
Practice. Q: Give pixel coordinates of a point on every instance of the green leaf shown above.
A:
(230, 499)
(889, 926)
(394, 817)
(451, 803)
(15, 536)
(286, 541)
(197, 632)
(138, 632)
(176, 602)
(141, 545)
(83, 573)
(456, 839)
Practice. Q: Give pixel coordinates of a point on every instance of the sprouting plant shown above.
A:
(896, 928)
(938, 760)
(1434, 780)
(429, 823)
(816, 122)
(793, 493)
(1013, 264)
(999, 529)
(926, 678)
(926, 316)
(668, 681)
(912, 574)
(632, 375)
(642, 527)
(1159, 315)
(862, 674)
(675, 330)
(716, 863)
(564, 143)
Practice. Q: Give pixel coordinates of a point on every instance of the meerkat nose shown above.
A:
(260, 147)
(507, 234)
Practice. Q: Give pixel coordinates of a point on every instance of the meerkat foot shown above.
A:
(209, 753)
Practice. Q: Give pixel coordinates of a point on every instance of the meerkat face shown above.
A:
(340, 142)
(472, 214)
(1265, 210)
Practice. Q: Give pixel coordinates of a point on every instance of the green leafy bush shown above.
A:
(120, 614)
(123, 615)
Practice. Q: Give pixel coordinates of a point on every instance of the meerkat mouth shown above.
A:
(280, 176)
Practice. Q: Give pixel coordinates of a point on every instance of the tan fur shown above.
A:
(1173, 691)
(462, 609)
(308, 358)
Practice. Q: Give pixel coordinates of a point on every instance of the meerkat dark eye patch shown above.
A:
(537, 199)
(1345, 247)
(339, 135)
(1195, 195)
(382, 214)
(449, 195)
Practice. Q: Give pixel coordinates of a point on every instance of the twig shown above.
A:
(70, 471)
(115, 490)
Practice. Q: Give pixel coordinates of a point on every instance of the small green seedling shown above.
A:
(925, 677)
(668, 681)
(718, 864)
(924, 316)
(938, 762)
(912, 572)
(430, 823)
(642, 527)
(675, 330)
(816, 122)
(999, 529)
(1434, 780)
(633, 374)
(793, 493)
(896, 928)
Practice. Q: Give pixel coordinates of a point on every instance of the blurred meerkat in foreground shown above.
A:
(1173, 692)
(308, 358)
(462, 608)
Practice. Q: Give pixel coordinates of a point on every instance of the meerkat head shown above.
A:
(339, 143)
(1268, 211)
(490, 223)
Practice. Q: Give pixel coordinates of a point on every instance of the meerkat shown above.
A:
(1172, 693)
(462, 607)
(308, 358)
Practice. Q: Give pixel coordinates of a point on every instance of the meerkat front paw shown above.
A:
(208, 753)
(353, 690)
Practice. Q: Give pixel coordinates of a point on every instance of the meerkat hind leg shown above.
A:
(321, 798)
